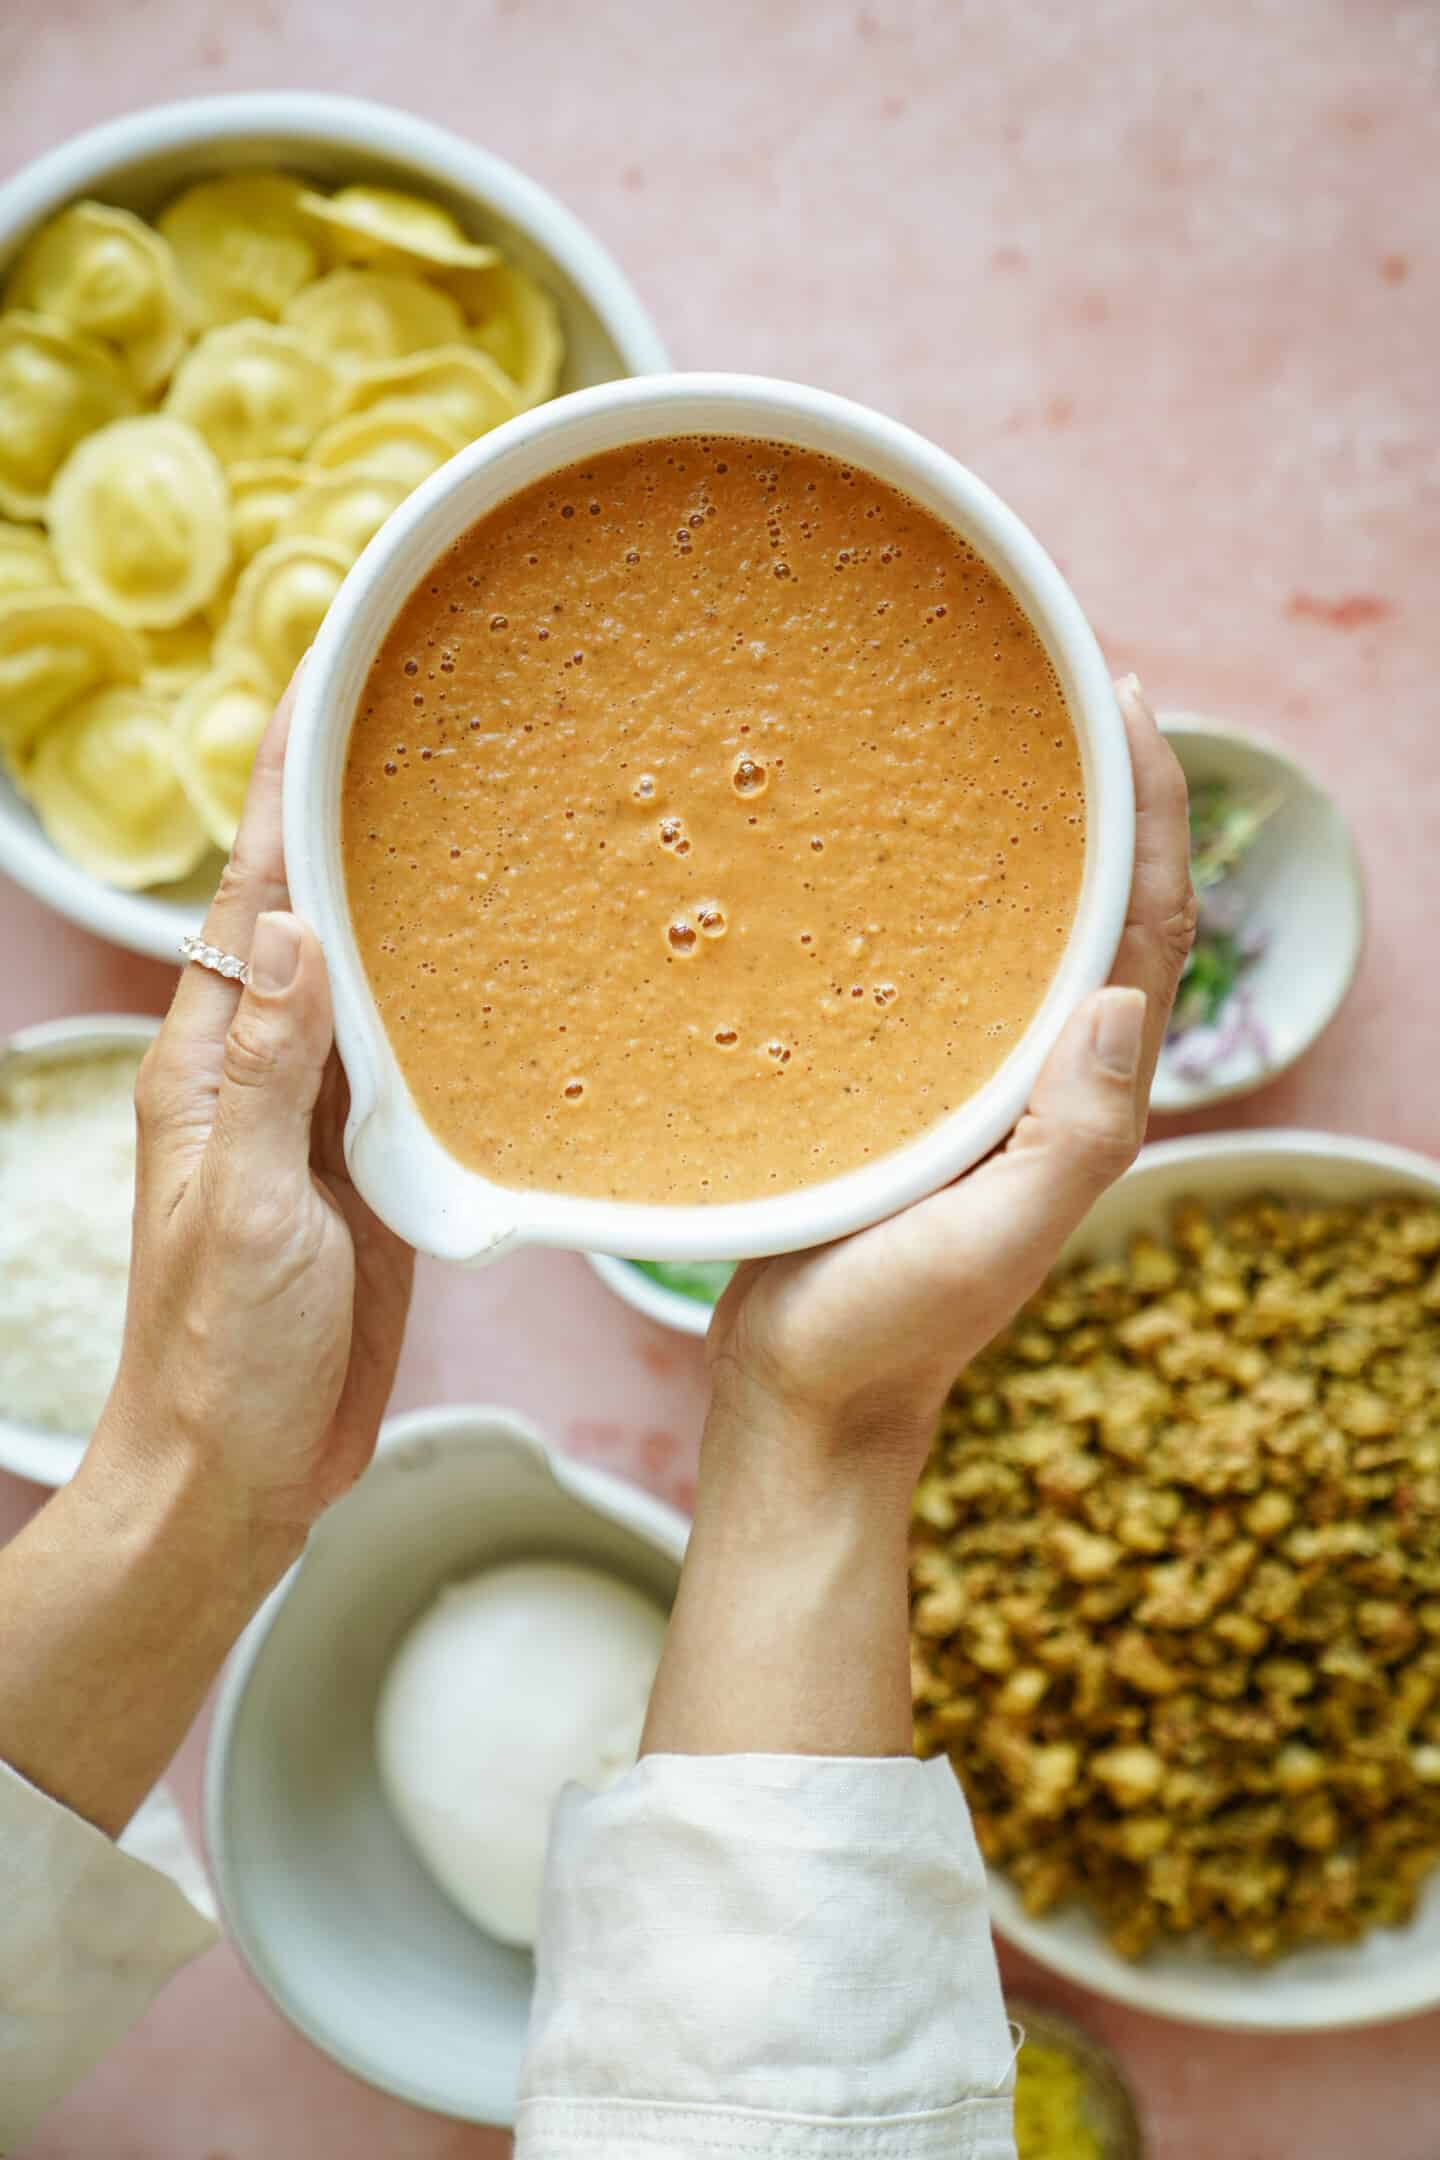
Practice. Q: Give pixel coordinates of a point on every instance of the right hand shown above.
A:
(851, 1348)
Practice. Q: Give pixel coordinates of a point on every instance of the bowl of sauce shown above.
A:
(712, 802)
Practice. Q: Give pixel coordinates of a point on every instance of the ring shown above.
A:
(210, 956)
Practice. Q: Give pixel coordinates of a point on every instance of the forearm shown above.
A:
(118, 1604)
(789, 1633)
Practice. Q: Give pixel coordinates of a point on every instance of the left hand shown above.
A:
(267, 1304)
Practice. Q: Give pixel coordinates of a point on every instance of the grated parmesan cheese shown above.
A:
(67, 1185)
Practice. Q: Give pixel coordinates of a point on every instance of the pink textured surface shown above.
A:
(1166, 275)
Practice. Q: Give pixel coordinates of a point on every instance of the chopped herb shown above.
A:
(1214, 1016)
(1214, 968)
(1223, 826)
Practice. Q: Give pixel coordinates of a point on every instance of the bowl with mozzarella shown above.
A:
(478, 1620)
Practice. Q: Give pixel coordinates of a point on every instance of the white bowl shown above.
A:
(143, 159)
(323, 1895)
(1393, 1972)
(687, 1315)
(1301, 882)
(397, 1162)
(30, 1451)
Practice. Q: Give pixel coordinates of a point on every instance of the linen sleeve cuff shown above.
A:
(89, 1934)
(800, 1939)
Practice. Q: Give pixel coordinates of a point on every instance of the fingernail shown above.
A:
(1119, 1027)
(274, 952)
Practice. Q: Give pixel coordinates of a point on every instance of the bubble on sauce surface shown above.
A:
(681, 936)
(711, 919)
(573, 1090)
(748, 776)
(727, 1037)
(644, 788)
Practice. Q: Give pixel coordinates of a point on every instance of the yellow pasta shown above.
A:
(54, 648)
(243, 244)
(517, 324)
(254, 390)
(390, 437)
(27, 561)
(279, 604)
(260, 496)
(453, 386)
(347, 507)
(140, 521)
(108, 275)
(314, 357)
(55, 387)
(175, 657)
(361, 318)
(384, 225)
(104, 786)
(217, 723)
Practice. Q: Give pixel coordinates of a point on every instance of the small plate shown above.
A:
(1300, 882)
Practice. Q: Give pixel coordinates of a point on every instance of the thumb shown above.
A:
(275, 1053)
(1086, 1117)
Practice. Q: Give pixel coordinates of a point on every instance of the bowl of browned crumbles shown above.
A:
(1176, 1590)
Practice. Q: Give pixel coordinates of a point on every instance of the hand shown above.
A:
(857, 1342)
(267, 1304)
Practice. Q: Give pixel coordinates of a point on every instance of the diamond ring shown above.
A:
(210, 956)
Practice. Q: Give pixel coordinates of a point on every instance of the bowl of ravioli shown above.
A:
(235, 333)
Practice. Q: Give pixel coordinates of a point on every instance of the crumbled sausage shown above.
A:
(1176, 1581)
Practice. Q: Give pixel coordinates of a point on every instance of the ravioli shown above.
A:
(175, 657)
(254, 390)
(104, 786)
(362, 318)
(53, 649)
(217, 722)
(107, 275)
(243, 244)
(55, 388)
(140, 521)
(386, 225)
(517, 323)
(260, 496)
(390, 437)
(460, 388)
(279, 604)
(347, 507)
(204, 419)
(27, 560)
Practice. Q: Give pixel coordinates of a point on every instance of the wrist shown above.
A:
(791, 1454)
(177, 1501)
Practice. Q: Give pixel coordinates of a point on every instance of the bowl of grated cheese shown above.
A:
(67, 1184)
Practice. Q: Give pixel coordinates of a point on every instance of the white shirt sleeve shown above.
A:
(760, 1955)
(89, 1934)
